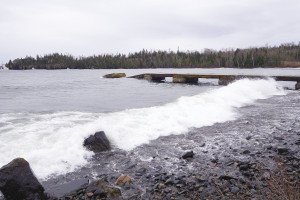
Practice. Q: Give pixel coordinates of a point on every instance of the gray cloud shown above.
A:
(87, 27)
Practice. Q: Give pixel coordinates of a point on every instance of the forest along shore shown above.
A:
(285, 55)
(248, 158)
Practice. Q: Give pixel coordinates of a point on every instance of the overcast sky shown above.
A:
(88, 27)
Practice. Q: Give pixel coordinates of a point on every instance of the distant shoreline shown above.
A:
(279, 67)
(283, 56)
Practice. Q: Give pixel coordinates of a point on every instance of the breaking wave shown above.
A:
(52, 142)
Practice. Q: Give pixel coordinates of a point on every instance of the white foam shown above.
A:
(52, 143)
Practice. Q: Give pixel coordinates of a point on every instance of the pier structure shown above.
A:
(222, 79)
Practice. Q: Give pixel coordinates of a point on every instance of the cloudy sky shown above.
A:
(88, 27)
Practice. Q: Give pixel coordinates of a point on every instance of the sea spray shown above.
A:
(52, 143)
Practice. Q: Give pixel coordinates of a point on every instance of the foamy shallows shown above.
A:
(52, 143)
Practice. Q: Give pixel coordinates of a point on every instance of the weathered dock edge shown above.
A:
(223, 79)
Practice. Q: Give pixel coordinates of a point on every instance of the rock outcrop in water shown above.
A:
(115, 75)
(17, 181)
(97, 142)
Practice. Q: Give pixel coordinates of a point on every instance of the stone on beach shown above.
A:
(17, 181)
(97, 142)
(124, 179)
(189, 154)
(101, 189)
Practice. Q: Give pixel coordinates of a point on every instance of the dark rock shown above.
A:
(246, 152)
(214, 160)
(282, 150)
(67, 188)
(202, 144)
(248, 137)
(97, 142)
(189, 154)
(17, 181)
(244, 166)
(226, 177)
(169, 181)
(269, 147)
(182, 192)
(278, 138)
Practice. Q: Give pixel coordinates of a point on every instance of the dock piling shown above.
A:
(182, 79)
(225, 80)
(297, 86)
(153, 78)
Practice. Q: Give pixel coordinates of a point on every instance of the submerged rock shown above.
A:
(67, 188)
(115, 75)
(17, 181)
(97, 142)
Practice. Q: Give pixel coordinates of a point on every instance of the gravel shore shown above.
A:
(256, 156)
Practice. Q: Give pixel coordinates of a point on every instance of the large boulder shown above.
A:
(17, 182)
(115, 75)
(97, 142)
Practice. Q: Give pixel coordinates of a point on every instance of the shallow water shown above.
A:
(45, 115)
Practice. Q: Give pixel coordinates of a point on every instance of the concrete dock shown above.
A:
(223, 79)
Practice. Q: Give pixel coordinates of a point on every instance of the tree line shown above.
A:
(285, 55)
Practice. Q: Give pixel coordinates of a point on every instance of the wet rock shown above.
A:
(282, 150)
(169, 181)
(89, 194)
(248, 137)
(115, 75)
(167, 190)
(189, 154)
(269, 147)
(67, 188)
(244, 166)
(97, 142)
(234, 189)
(202, 144)
(278, 138)
(159, 186)
(124, 179)
(17, 181)
(214, 160)
(246, 152)
(226, 177)
(101, 189)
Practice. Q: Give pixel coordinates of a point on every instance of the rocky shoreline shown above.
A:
(256, 156)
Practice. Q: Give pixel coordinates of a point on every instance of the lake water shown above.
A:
(45, 115)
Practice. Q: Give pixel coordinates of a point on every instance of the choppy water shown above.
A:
(45, 115)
